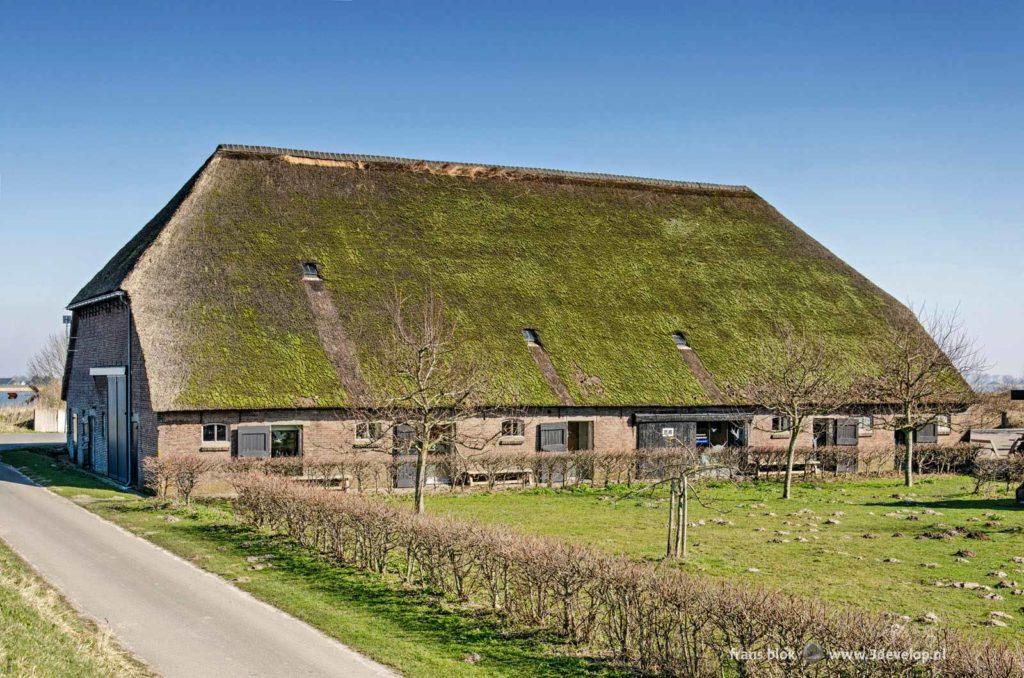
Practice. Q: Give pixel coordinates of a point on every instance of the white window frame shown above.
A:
(215, 442)
(514, 438)
(368, 439)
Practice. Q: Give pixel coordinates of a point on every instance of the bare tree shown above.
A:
(795, 377)
(431, 388)
(921, 372)
(47, 365)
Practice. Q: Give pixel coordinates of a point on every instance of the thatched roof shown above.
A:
(604, 267)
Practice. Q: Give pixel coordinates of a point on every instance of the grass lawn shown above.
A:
(793, 547)
(409, 630)
(42, 635)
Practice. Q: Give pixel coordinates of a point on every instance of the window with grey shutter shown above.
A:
(553, 437)
(928, 434)
(846, 432)
(253, 441)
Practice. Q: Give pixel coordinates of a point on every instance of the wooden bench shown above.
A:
(807, 468)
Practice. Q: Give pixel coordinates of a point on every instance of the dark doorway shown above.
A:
(90, 425)
(823, 432)
(581, 437)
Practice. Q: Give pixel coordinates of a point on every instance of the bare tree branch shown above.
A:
(47, 365)
(796, 377)
(431, 390)
(921, 373)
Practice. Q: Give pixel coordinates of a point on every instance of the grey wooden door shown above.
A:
(553, 437)
(117, 428)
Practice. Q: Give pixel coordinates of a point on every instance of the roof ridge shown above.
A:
(535, 171)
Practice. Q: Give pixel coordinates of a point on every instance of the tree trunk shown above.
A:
(790, 453)
(421, 478)
(909, 471)
(669, 541)
(683, 513)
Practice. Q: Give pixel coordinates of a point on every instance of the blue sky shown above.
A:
(892, 132)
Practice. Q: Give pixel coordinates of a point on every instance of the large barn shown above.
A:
(613, 307)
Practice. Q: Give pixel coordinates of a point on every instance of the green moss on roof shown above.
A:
(605, 272)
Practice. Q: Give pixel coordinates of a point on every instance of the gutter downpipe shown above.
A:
(133, 461)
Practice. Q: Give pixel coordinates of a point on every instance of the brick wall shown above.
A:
(100, 340)
(327, 431)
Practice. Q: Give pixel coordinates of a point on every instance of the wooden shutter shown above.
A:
(928, 433)
(403, 438)
(846, 432)
(553, 437)
(253, 441)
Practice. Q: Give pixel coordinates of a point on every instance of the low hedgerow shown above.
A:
(654, 618)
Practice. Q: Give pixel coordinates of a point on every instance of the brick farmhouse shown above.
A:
(613, 307)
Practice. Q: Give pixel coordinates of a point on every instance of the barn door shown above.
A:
(117, 428)
(667, 434)
(687, 434)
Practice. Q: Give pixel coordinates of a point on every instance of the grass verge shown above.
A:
(42, 635)
(415, 633)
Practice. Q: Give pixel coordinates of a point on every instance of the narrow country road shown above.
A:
(180, 620)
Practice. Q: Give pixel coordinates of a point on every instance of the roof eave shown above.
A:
(118, 293)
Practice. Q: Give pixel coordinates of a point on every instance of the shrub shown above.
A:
(377, 470)
(181, 471)
(1009, 469)
(16, 419)
(653, 618)
(954, 459)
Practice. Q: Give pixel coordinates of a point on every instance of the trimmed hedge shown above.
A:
(652, 618)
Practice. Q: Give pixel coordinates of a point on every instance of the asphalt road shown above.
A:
(31, 439)
(177, 618)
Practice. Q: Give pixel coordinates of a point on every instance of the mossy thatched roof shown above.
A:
(605, 268)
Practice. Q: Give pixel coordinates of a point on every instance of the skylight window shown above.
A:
(311, 270)
(680, 340)
(531, 336)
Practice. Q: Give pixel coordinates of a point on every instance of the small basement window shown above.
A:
(781, 424)
(215, 433)
(680, 340)
(531, 336)
(311, 270)
(512, 427)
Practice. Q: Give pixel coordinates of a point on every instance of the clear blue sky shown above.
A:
(890, 131)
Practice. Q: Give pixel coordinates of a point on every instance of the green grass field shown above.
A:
(413, 632)
(793, 547)
(41, 635)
